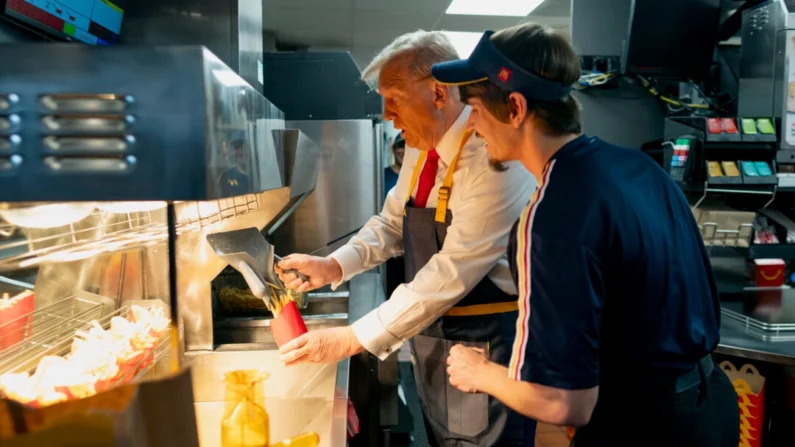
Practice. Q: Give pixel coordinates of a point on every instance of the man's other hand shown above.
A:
(319, 271)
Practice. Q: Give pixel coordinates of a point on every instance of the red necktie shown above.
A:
(427, 179)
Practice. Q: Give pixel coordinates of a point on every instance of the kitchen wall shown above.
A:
(11, 33)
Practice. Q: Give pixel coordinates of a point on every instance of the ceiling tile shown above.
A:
(369, 26)
(474, 23)
(310, 29)
(366, 26)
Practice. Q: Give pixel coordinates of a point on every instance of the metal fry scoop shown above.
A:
(249, 253)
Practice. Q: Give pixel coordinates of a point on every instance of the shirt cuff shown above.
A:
(375, 337)
(350, 261)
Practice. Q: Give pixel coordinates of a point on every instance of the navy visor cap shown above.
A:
(487, 63)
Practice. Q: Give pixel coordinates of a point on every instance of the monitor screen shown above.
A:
(674, 38)
(95, 22)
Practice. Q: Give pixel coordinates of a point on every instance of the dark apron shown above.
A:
(485, 319)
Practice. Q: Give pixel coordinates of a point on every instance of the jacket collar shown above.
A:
(450, 142)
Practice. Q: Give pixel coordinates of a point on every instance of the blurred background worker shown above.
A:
(392, 171)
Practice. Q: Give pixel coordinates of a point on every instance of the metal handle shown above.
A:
(708, 190)
(303, 277)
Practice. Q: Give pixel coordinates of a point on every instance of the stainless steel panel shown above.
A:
(599, 27)
(787, 97)
(321, 312)
(757, 59)
(740, 341)
(247, 40)
(301, 161)
(178, 147)
(231, 29)
(174, 22)
(382, 150)
(345, 196)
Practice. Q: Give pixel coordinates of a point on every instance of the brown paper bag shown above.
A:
(156, 413)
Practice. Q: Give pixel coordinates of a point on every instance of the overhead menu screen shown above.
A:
(95, 22)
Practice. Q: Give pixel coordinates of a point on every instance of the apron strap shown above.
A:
(482, 309)
(447, 184)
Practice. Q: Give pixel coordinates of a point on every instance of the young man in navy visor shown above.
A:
(618, 309)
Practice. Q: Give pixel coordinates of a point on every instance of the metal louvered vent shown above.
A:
(87, 132)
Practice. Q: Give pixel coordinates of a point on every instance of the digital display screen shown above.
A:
(95, 22)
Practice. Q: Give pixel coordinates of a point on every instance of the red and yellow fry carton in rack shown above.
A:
(750, 388)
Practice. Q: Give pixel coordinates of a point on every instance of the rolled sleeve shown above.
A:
(375, 337)
(350, 262)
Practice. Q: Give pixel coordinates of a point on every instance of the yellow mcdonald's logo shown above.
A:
(232, 182)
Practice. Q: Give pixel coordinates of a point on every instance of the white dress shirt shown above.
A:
(484, 203)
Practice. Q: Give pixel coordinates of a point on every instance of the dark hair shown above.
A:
(544, 52)
(399, 141)
(239, 144)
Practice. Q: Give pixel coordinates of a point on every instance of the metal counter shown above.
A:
(739, 341)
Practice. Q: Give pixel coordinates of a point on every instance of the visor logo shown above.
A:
(504, 75)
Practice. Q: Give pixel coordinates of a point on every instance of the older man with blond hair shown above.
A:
(449, 215)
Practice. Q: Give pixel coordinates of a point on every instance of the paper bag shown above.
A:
(750, 388)
(157, 413)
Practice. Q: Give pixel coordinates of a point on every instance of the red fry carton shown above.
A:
(288, 325)
(15, 318)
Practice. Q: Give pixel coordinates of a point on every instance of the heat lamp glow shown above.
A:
(47, 216)
(130, 207)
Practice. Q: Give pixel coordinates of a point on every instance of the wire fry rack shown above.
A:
(42, 332)
(105, 232)
(72, 316)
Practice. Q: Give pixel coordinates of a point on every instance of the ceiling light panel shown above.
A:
(463, 42)
(506, 8)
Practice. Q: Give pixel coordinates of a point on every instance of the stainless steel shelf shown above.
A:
(755, 251)
(768, 331)
(105, 232)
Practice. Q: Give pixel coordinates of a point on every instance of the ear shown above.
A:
(519, 111)
(441, 93)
